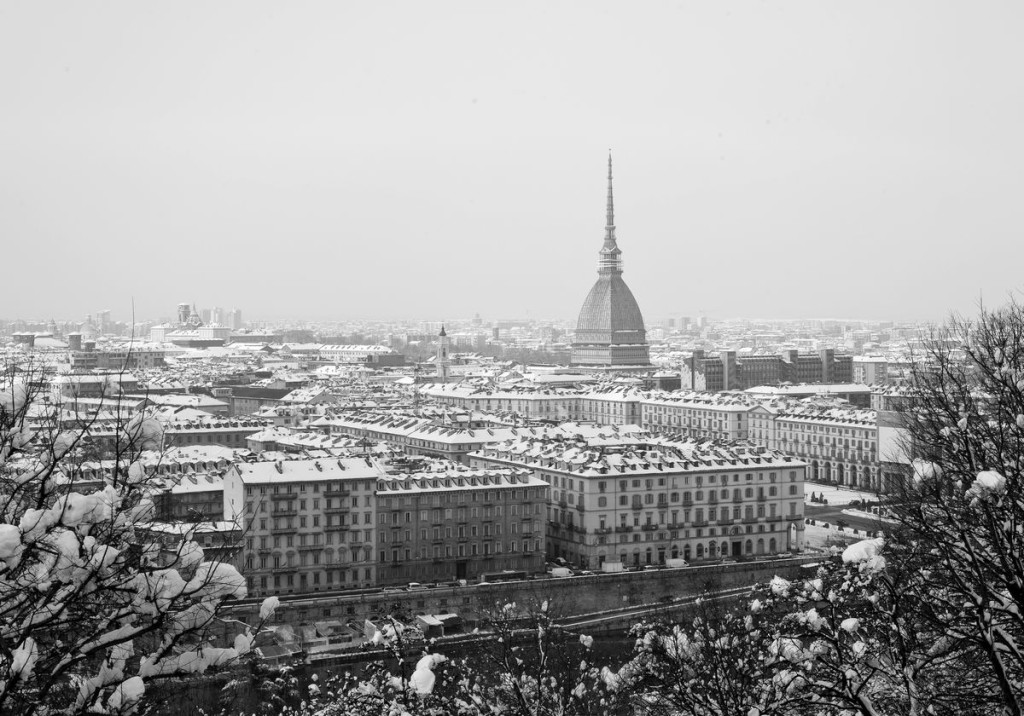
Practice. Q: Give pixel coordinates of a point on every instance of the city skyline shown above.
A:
(797, 162)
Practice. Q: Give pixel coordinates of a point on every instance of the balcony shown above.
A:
(649, 528)
(563, 504)
(737, 499)
(336, 528)
(603, 530)
(761, 498)
(337, 493)
(750, 520)
(636, 506)
(285, 496)
(726, 522)
(775, 518)
(335, 510)
(699, 523)
(623, 528)
(282, 530)
(310, 547)
(284, 513)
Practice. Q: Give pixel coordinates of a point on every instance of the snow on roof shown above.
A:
(308, 470)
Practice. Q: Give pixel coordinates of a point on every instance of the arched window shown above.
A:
(760, 546)
(700, 551)
(771, 546)
(748, 547)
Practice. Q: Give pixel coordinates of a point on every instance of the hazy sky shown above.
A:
(437, 159)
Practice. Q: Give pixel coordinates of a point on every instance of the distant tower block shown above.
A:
(443, 357)
(610, 330)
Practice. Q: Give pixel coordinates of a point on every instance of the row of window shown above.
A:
(698, 496)
(462, 549)
(350, 485)
(463, 531)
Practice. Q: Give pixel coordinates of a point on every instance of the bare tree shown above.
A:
(92, 608)
(961, 513)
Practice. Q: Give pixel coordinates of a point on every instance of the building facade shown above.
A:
(460, 524)
(644, 500)
(729, 371)
(309, 524)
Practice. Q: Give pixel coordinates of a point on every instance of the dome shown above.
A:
(610, 313)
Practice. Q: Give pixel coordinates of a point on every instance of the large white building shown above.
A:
(642, 500)
(610, 405)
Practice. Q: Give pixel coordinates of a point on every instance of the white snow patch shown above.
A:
(217, 580)
(10, 541)
(924, 470)
(243, 643)
(779, 586)
(850, 625)
(988, 482)
(268, 607)
(126, 694)
(23, 659)
(422, 680)
(866, 554)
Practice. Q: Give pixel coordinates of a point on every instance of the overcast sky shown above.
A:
(436, 159)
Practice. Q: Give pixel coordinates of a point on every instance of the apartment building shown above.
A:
(459, 524)
(643, 500)
(838, 444)
(193, 498)
(426, 437)
(309, 524)
(729, 370)
(870, 370)
(610, 405)
(697, 414)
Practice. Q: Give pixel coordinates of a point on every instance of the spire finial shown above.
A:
(611, 201)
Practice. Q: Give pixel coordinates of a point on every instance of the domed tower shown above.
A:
(610, 330)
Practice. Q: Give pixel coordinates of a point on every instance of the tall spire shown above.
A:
(609, 228)
(610, 260)
(611, 201)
